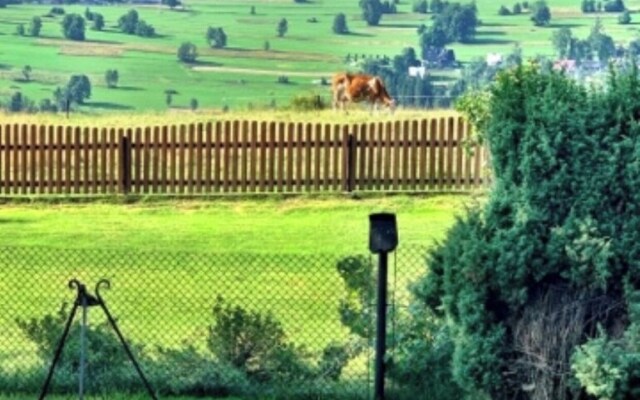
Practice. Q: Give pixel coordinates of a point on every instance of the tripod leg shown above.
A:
(56, 357)
(128, 351)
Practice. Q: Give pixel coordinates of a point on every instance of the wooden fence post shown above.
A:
(125, 164)
(349, 177)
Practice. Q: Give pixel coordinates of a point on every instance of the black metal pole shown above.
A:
(112, 321)
(381, 326)
(58, 352)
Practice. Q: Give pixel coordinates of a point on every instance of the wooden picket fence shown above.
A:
(239, 157)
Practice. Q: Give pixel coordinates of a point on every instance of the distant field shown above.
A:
(244, 75)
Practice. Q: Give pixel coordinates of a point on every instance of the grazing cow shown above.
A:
(354, 88)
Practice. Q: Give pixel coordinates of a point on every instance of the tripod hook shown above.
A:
(102, 283)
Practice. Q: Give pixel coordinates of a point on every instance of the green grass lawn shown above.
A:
(168, 260)
(244, 73)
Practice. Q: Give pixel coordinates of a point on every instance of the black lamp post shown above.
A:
(383, 238)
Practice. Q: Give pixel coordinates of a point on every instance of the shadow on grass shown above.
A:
(492, 33)
(481, 40)
(564, 25)
(358, 34)
(129, 88)
(107, 106)
(206, 64)
(415, 26)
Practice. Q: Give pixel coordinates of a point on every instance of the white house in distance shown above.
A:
(494, 59)
(419, 72)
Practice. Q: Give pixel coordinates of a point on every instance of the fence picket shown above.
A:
(247, 156)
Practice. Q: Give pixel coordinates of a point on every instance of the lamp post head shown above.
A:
(383, 233)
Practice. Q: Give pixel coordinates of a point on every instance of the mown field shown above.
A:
(244, 75)
(168, 260)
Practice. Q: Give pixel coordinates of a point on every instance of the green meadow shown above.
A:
(168, 260)
(244, 75)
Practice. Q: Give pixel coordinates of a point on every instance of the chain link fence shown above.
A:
(199, 324)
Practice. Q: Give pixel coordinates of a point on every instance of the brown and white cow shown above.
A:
(354, 88)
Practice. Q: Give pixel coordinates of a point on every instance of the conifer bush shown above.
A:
(545, 274)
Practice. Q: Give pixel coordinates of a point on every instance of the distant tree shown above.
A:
(73, 27)
(525, 4)
(187, 52)
(599, 6)
(56, 11)
(20, 31)
(340, 24)
(171, 3)
(517, 9)
(624, 18)
(371, 11)
(421, 6)
(437, 6)
(79, 88)
(216, 37)
(16, 102)
(98, 22)
(35, 26)
(26, 71)
(504, 11)
(562, 41)
(144, 29)
(46, 105)
(614, 6)
(128, 22)
(266, 46)
(111, 77)
(3, 3)
(169, 96)
(88, 14)
(634, 48)
(434, 37)
(193, 104)
(540, 13)
(283, 27)
(252, 11)
(422, 28)
(406, 59)
(459, 22)
(588, 6)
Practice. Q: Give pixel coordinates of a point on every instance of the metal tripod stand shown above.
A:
(86, 300)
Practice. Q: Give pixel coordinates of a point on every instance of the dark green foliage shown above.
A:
(187, 52)
(26, 71)
(517, 9)
(614, 6)
(143, 29)
(35, 26)
(355, 314)
(109, 365)
(111, 77)
(97, 22)
(421, 6)
(79, 88)
(3, 3)
(437, 6)
(127, 23)
(254, 343)
(20, 31)
(540, 13)
(283, 79)
(308, 103)
(532, 274)
(588, 6)
(458, 21)
(340, 24)
(624, 18)
(171, 3)
(73, 27)
(131, 24)
(371, 11)
(504, 11)
(216, 37)
(193, 104)
(56, 11)
(283, 27)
